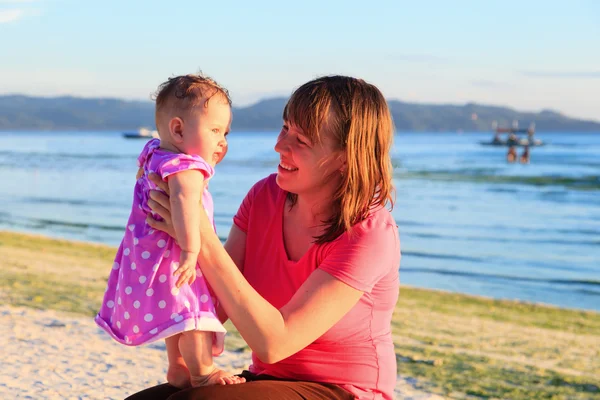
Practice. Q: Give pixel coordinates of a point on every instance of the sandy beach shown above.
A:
(54, 355)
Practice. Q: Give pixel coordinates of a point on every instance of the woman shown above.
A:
(309, 272)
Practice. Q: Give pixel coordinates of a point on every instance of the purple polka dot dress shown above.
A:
(142, 303)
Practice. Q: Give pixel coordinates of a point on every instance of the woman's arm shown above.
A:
(271, 333)
(274, 334)
(235, 245)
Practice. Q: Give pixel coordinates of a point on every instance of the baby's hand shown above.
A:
(187, 268)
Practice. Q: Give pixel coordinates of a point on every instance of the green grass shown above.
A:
(521, 313)
(465, 345)
(31, 290)
(483, 377)
(456, 345)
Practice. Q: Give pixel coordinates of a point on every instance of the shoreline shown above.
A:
(446, 343)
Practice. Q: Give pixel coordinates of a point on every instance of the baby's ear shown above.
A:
(176, 129)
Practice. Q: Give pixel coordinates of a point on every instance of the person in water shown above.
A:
(511, 156)
(525, 156)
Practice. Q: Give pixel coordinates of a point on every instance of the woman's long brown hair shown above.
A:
(355, 114)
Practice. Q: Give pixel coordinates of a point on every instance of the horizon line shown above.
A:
(249, 105)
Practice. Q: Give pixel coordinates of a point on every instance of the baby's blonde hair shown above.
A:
(183, 94)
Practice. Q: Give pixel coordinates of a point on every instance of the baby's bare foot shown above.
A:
(216, 377)
(179, 376)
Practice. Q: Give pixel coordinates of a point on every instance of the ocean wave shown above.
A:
(404, 222)
(43, 223)
(504, 260)
(440, 256)
(499, 227)
(27, 155)
(587, 182)
(592, 283)
(71, 202)
(503, 190)
(495, 239)
(587, 291)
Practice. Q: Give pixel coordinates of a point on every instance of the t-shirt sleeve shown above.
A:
(242, 217)
(184, 162)
(362, 259)
(148, 147)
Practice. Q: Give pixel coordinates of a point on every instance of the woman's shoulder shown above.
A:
(379, 220)
(376, 236)
(269, 181)
(378, 233)
(259, 203)
(365, 255)
(266, 187)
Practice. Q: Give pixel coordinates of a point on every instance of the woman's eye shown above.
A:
(301, 142)
(215, 130)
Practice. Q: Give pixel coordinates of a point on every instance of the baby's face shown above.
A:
(205, 131)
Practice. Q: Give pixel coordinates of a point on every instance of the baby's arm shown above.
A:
(186, 189)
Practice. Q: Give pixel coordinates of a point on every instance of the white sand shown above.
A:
(51, 355)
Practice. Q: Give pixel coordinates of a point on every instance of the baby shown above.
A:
(155, 288)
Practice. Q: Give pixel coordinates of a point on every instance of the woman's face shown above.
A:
(305, 167)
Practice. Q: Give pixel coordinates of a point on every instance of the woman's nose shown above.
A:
(280, 144)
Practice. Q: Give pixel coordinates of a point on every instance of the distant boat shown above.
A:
(142, 133)
(513, 139)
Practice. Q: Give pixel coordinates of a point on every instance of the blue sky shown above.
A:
(529, 55)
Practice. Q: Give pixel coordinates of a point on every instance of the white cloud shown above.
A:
(10, 15)
(562, 74)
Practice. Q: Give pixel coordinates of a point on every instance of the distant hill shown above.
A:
(19, 112)
(72, 113)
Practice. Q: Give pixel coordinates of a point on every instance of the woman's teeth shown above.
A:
(287, 167)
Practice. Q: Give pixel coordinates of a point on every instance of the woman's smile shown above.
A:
(287, 167)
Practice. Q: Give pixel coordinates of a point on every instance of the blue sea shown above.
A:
(469, 222)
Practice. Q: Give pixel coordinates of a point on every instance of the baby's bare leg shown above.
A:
(178, 374)
(196, 349)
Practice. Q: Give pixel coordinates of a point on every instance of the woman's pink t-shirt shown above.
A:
(357, 353)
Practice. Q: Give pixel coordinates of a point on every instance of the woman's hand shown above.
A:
(160, 204)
